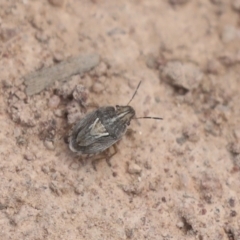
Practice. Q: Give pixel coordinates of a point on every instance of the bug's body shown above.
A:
(100, 129)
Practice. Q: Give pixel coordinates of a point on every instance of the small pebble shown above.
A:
(133, 189)
(227, 59)
(49, 145)
(58, 57)
(184, 75)
(147, 165)
(236, 5)
(151, 62)
(234, 147)
(74, 112)
(57, 3)
(20, 95)
(29, 156)
(217, 2)
(60, 113)
(41, 37)
(231, 202)
(213, 67)
(6, 84)
(98, 87)
(80, 94)
(178, 2)
(100, 70)
(229, 33)
(7, 33)
(54, 186)
(79, 190)
(129, 232)
(134, 168)
(180, 225)
(153, 185)
(45, 169)
(74, 165)
(17, 132)
(54, 101)
(191, 133)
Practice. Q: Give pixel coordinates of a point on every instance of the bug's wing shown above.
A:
(93, 126)
(99, 145)
(80, 132)
(91, 132)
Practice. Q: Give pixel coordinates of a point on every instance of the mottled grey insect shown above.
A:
(102, 128)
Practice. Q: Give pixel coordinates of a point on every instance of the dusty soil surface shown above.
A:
(172, 179)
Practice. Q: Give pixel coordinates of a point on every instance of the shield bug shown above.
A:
(102, 128)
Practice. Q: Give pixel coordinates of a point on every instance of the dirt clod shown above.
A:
(184, 75)
(134, 168)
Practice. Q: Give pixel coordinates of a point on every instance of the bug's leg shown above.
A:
(94, 161)
(108, 157)
(105, 155)
(85, 159)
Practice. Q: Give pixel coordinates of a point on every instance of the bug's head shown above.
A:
(125, 113)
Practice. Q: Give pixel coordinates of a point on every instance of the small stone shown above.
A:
(80, 94)
(41, 37)
(29, 156)
(116, 31)
(233, 213)
(60, 113)
(45, 169)
(58, 57)
(217, 2)
(234, 147)
(98, 87)
(3, 206)
(191, 133)
(229, 33)
(153, 185)
(54, 101)
(134, 168)
(178, 2)
(228, 59)
(147, 165)
(186, 76)
(7, 33)
(79, 190)
(151, 62)
(57, 3)
(180, 225)
(6, 84)
(212, 129)
(20, 95)
(210, 188)
(231, 202)
(236, 5)
(49, 145)
(17, 132)
(213, 67)
(129, 232)
(74, 112)
(181, 140)
(74, 165)
(133, 189)
(100, 70)
(55, 188)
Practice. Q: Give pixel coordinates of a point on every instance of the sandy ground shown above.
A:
(171, 179)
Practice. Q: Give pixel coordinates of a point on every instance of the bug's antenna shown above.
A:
(135, 92)
(156, 118)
